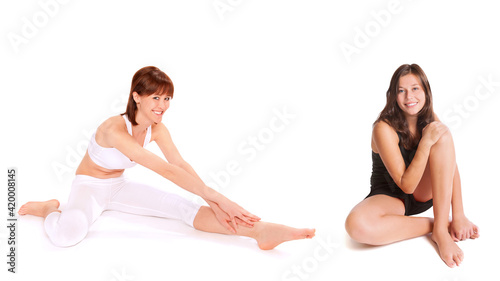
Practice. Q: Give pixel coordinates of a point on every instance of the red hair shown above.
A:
(147, 81)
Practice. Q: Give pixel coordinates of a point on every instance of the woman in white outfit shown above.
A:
(117, 144)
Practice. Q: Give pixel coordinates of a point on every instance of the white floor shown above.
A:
(127, 247)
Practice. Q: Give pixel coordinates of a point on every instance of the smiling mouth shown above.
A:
(158, 112)
(411, 104)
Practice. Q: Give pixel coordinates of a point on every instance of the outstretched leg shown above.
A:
(268, 235)
(142, 199)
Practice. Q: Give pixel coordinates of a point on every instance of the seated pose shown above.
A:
(117, 144)
(414, 169)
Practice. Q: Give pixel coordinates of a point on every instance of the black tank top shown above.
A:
(380, 176)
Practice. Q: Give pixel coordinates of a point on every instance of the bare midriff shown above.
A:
(89, 168)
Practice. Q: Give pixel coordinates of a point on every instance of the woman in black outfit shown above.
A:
(414, 168)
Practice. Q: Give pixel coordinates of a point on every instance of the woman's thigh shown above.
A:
(142, 199)
(90, 196)
(365, 223)
(85, 203)
(380, 205)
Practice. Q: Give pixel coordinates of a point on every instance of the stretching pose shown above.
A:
(117, 144)
(414, 169)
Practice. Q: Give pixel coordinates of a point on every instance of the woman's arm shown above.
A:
(118, 138)
(162, 137)
(387, 143)
(178, 171)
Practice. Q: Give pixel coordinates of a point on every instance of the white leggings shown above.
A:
(91, 196)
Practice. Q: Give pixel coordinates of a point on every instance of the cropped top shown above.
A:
(111, 158)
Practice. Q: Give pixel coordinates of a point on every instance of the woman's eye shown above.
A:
(156, 98)
(167, 98)
(415, 89)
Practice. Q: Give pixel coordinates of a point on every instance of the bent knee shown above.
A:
(359, 227)
(445, 138)
(68, 229)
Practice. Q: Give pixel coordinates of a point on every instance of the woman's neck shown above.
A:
(142, 124)
(412, 124)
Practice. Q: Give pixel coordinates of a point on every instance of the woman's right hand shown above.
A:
(432, 132)
(227, 211)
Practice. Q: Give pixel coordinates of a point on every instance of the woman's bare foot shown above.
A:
(450, 253)
(461, 228)
(39, 209)
(271, 235)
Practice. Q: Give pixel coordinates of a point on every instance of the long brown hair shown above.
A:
(147, 81)
(394, 116)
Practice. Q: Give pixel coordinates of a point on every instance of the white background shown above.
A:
(233, 70)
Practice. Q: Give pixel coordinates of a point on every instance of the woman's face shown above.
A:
(152, 107)
(411, 95)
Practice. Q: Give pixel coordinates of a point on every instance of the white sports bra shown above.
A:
(111, 158)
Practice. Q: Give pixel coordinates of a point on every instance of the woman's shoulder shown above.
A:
(158, 130)
(382, 129)
(382, 125)
(383, 134)
(111, 124)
